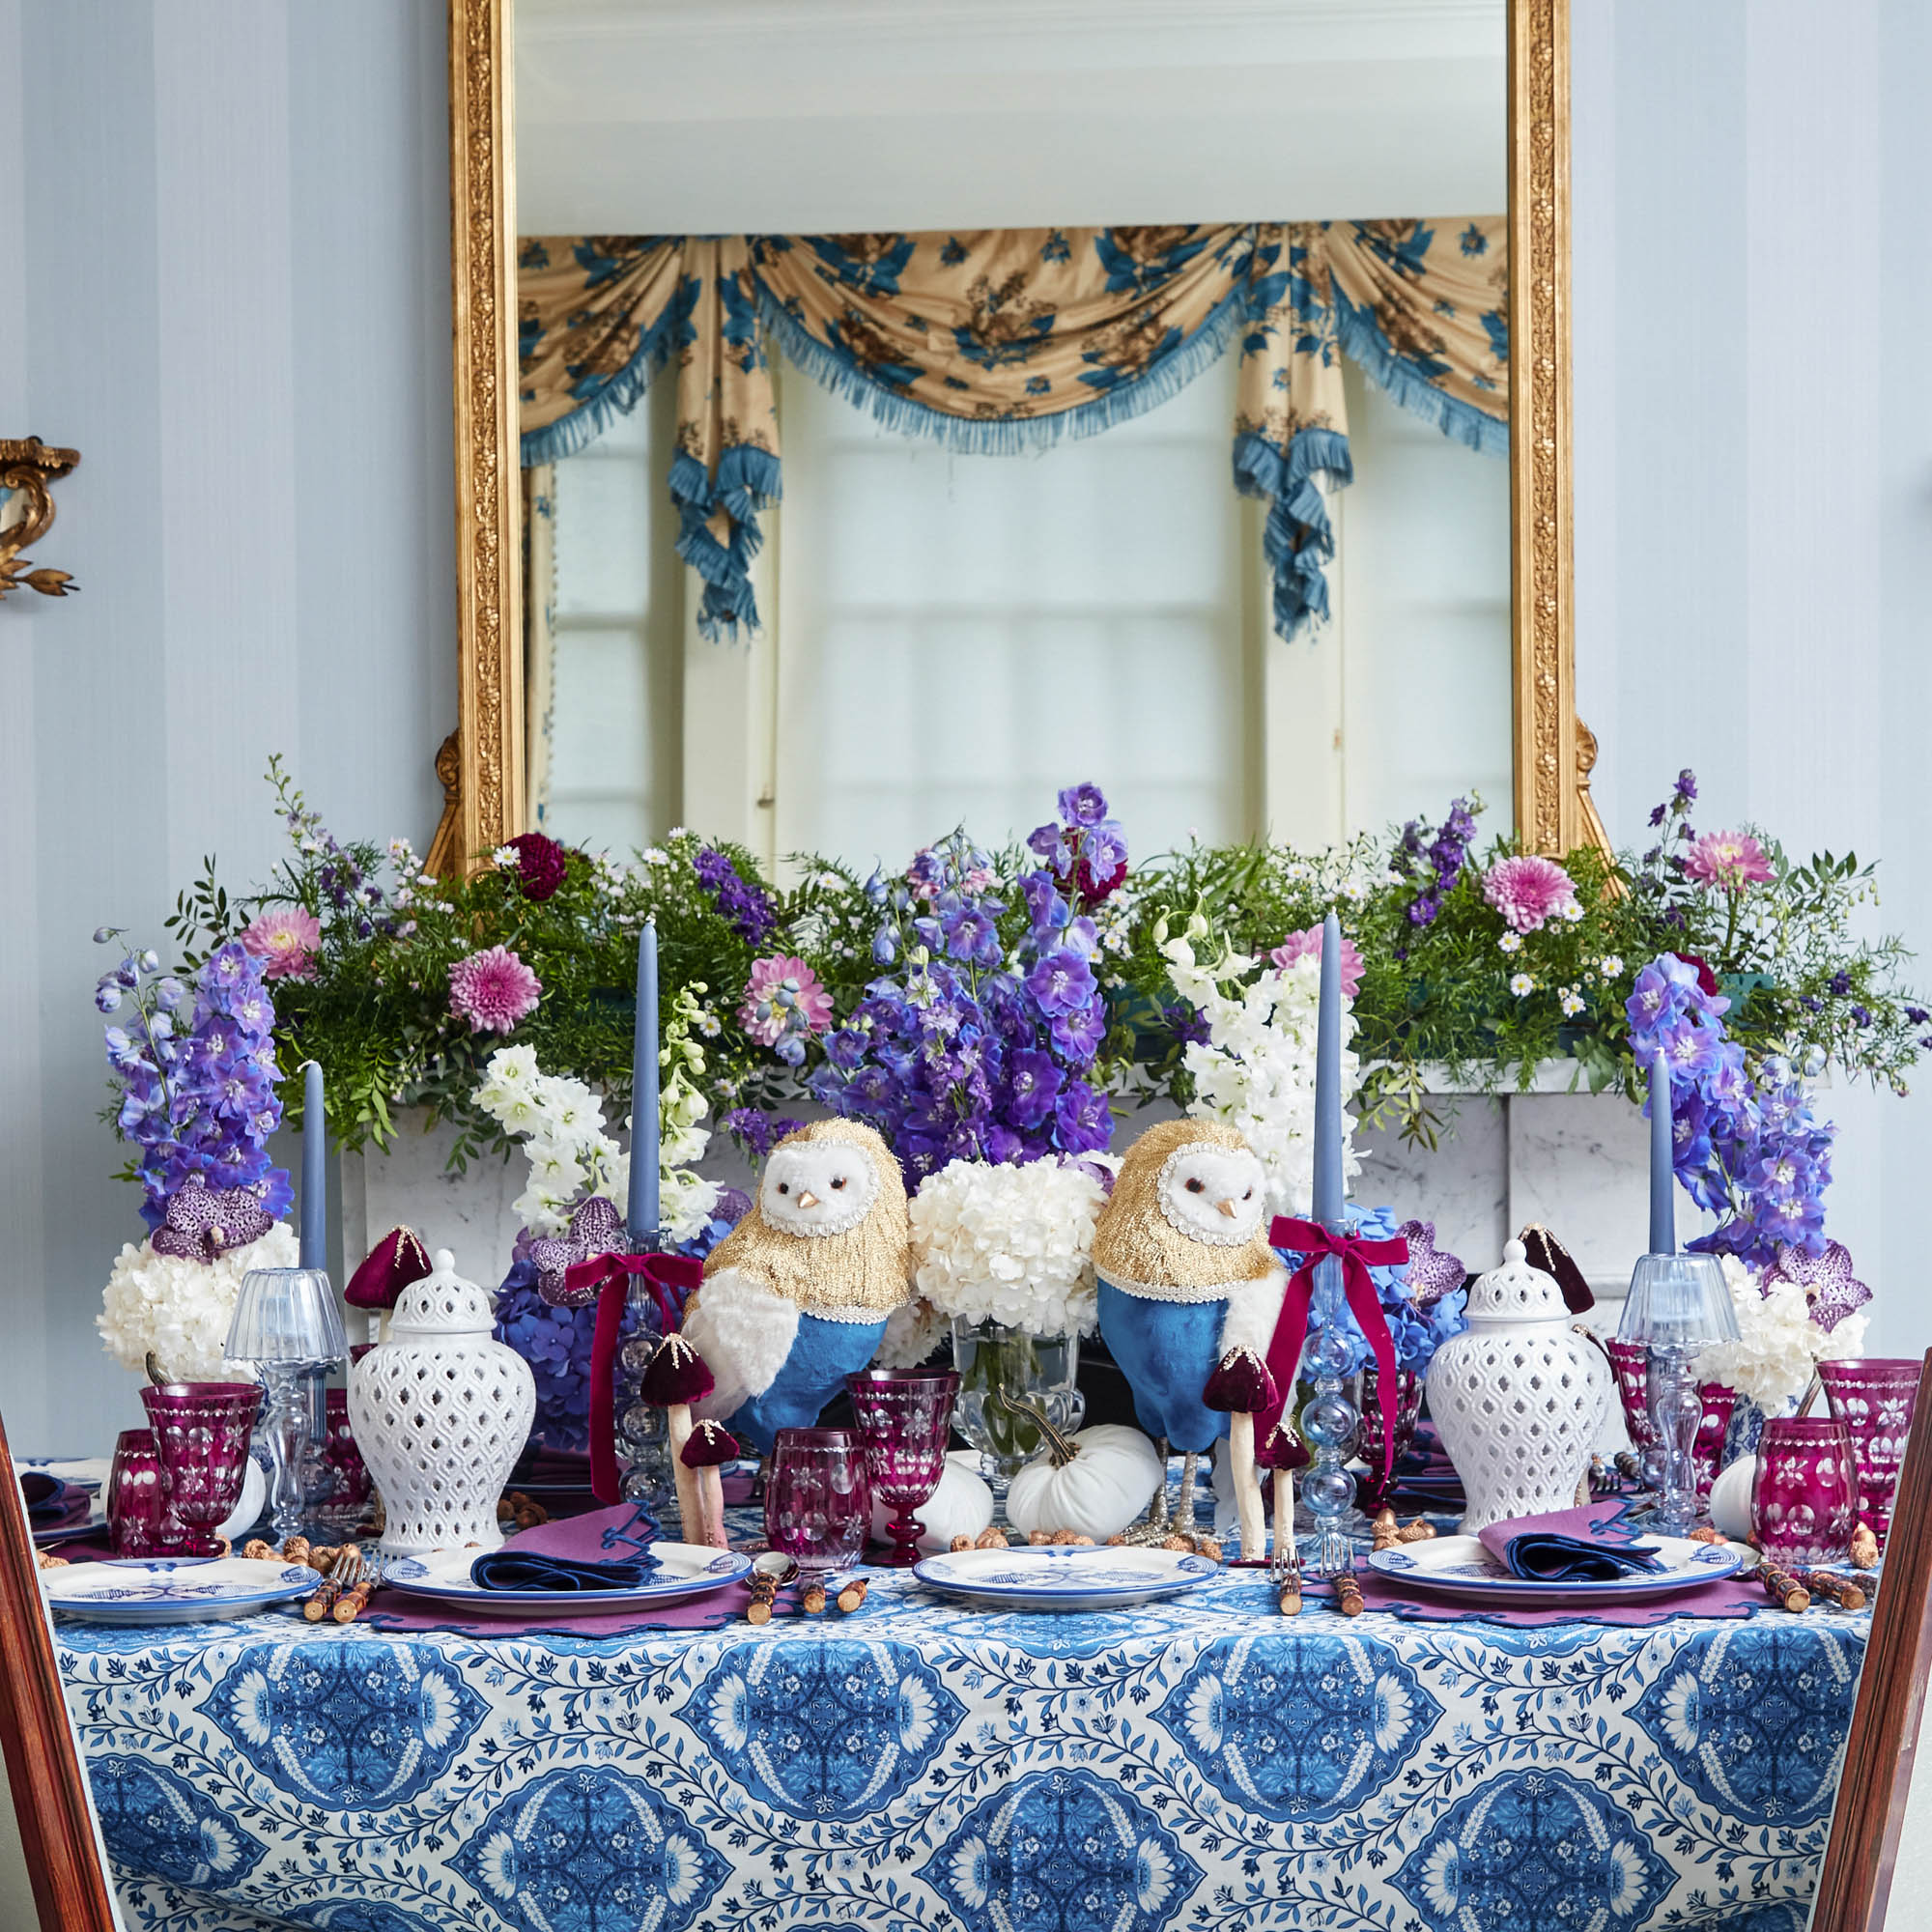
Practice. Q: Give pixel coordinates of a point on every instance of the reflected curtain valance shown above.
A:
(1008, 339)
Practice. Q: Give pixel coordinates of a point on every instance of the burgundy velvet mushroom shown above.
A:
(1241, 1388)
(1284, 1452)
(397, 1259)
(676, 1377)
(711, 1446)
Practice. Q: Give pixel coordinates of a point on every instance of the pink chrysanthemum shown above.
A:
(1732, 859)
(493, 990)
(286, 940)
(1307, 944)
(1529, 892)
(778, 989)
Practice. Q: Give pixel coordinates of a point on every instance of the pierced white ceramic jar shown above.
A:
(1517, 1400)
(440, 1412)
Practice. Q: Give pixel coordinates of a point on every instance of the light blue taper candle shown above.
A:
(1662, 1205)
(641, 1223)
(1328, 1081)
(315, 1171)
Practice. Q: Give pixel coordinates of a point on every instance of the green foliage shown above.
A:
(1457, 992)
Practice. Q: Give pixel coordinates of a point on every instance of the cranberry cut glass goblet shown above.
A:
(139, 1521)
(1874, 1398)
(904, 1422)
(202, 1429)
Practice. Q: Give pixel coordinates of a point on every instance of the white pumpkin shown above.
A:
(1096, 1491)
(962, 1505)
(1731, 1497)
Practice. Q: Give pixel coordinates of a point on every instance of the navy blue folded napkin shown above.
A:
(1589, 1544)
(1541, 1557)
(531, 1569)
(46, 1496)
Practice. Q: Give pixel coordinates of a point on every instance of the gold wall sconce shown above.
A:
(27, 466)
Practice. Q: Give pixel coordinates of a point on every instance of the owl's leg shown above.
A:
(1154, 1529)
(1185, 1525)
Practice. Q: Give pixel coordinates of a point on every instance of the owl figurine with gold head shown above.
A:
(1187, 1280)
(795, 1297)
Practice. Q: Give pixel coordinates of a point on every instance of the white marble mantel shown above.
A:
(1574, 1160)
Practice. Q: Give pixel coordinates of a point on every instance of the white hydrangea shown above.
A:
(1009, 1245)
(1778, 1344)
(914, 1329)
(1256, 1072)
(181, 1308)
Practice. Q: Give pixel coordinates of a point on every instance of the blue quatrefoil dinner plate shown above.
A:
(1111, 1577)
(176, 1589)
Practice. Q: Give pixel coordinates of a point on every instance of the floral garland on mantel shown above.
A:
(1005, 1005)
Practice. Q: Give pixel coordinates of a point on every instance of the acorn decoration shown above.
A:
(1242, 1389)
(710, 1447)
(676, 1376)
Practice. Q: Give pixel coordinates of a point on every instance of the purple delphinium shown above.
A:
(744, 905)
(1745, 1143)
(197, 1088)
(757, 1131)
(1433, 859)
(983, 1047)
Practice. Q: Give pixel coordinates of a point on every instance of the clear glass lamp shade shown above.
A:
(286, 1316)
(1678, 1301)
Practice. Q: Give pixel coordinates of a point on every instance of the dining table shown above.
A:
(1199, 1762)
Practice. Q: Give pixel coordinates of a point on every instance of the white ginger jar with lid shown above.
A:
(1519, 1397)
(440, 1412)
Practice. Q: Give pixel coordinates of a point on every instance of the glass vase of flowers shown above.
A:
(1004, 1257)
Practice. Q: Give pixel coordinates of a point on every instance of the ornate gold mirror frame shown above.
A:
(486, 804)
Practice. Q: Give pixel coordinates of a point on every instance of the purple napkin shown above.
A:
(1594, 1543)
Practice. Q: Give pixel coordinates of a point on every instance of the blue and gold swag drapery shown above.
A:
(1003, 340)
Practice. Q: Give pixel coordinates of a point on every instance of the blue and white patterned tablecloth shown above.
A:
(1204, 1764)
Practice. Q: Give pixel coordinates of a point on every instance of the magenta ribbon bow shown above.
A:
(671, 1279)
(1313, 1242)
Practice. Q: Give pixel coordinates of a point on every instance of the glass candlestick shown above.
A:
(1675, 1410)
(1677, 1305)
(643, 1436)
(1329, 1424)
(288, 1328)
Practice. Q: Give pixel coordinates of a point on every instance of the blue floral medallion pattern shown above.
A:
(1754, 1724)
(1535, 1848)
(348, 1728)
(158, 1822)
(592, 1851)
(838, 1731)
(1200, 1764)
(1296, 1729)
(1063, 1852)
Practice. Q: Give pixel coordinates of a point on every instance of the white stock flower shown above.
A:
(179, 1308)
(1255, 1071)
(1010, 1244)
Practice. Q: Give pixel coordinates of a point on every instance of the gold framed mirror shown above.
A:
(484, 764)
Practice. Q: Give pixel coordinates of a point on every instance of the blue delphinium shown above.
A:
(196, 1075)
(1745, 1142)
(982, 1046)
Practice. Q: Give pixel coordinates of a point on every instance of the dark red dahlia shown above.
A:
(542, 865)
(1706, 978)
(1094, 890)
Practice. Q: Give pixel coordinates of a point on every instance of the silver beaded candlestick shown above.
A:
(1329, 1420)
(1329, 1424)
(642, 1427)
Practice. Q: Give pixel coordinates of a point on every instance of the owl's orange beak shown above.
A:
(1230, 1206)
(808, 1198)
